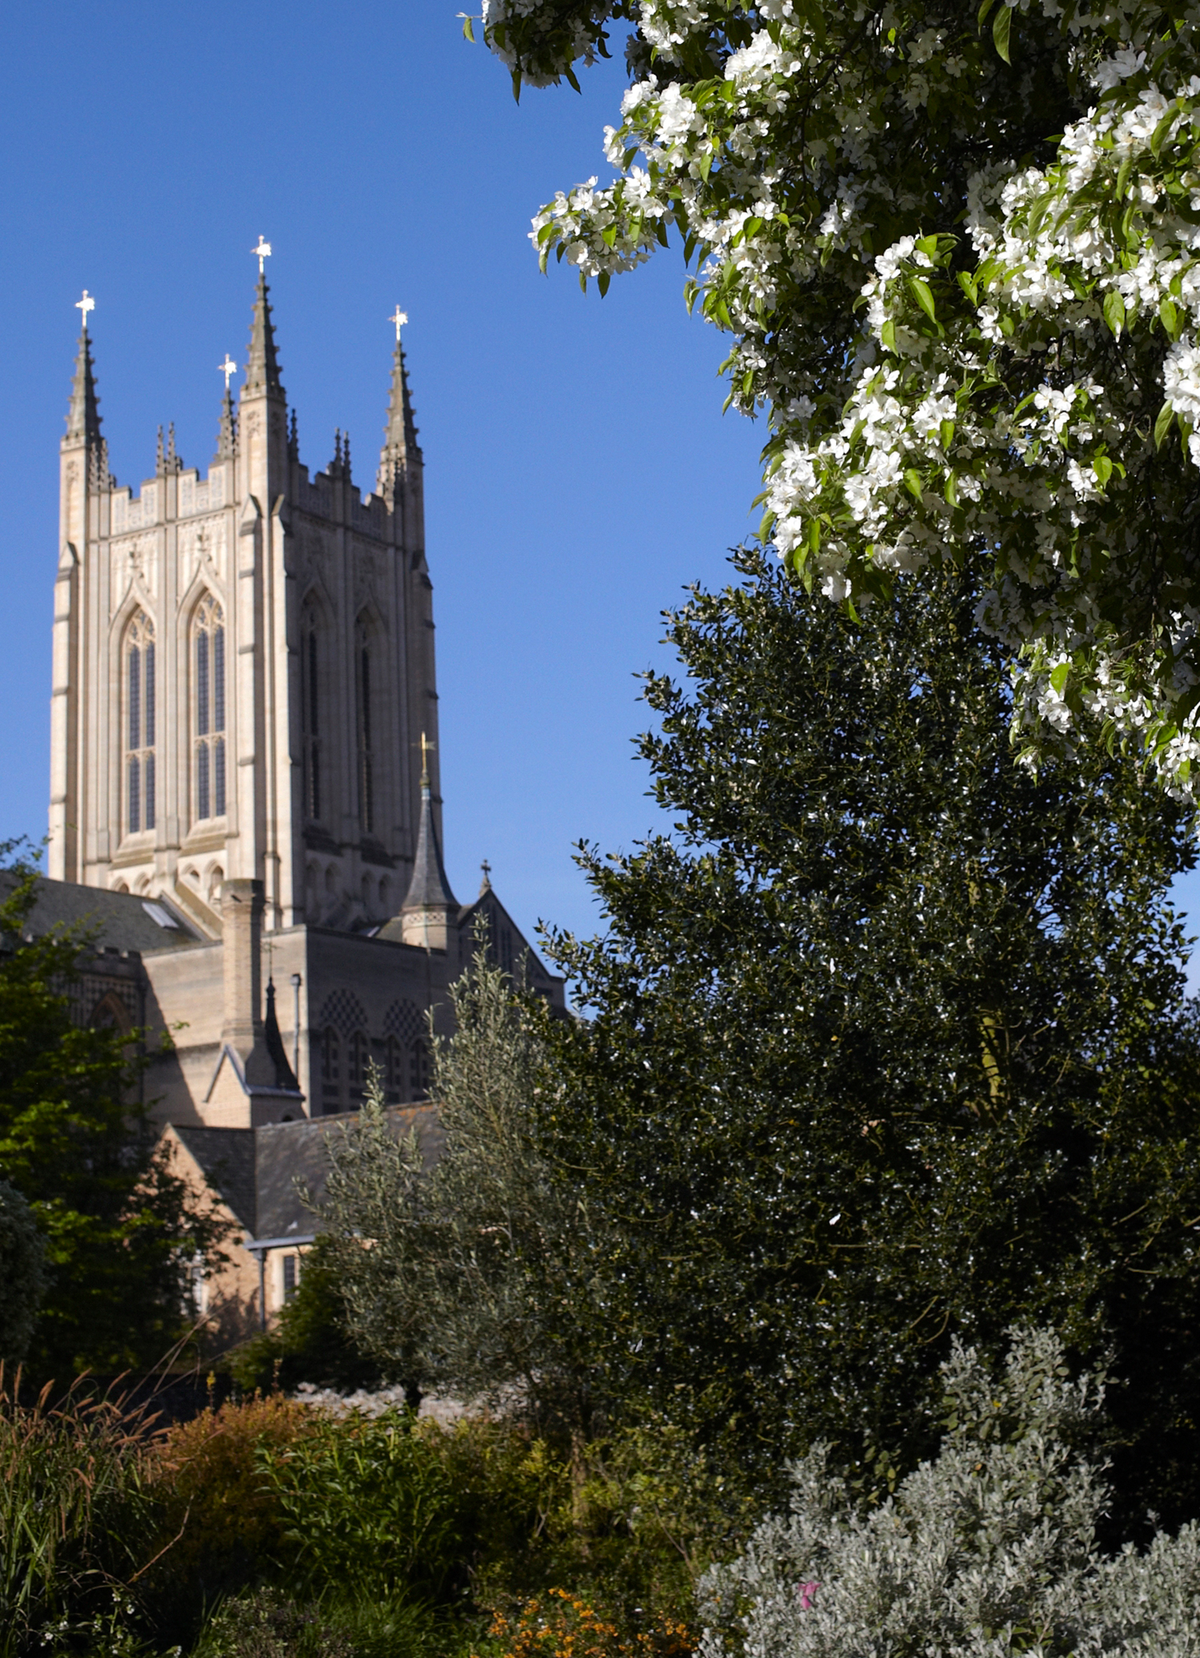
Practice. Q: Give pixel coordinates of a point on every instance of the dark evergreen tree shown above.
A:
(888, 1045)
(122, 1236)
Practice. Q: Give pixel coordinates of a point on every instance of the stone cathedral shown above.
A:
(245, 801)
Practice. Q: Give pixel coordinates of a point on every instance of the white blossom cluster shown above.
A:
(540, 39)
(1024, 393)
(988, 1550)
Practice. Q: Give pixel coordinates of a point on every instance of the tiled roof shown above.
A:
(117, 920)
(258, 1171)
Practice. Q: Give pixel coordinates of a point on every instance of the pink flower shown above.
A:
(808, 1593)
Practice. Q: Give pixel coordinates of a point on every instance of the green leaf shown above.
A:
(923, 294)
(1001, 29)
(602, 282)
(969, 286)
(1163, 424)
(984, 10)
(887, 334)
(1158, 136)
(912, 482)
(468, 31)
(1170, 317)
(1102, 466)
(946, 432)
(1059, 677)
(1114, 311)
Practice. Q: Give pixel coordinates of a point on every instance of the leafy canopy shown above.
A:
(456, 1278)
(954, 246)
(121, 1233)
(888, 1045)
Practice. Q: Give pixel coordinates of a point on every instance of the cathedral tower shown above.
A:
(244, 666)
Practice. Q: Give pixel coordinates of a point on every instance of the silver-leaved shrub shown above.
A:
(989, 1549)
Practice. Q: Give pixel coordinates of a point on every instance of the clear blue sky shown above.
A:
(578, 469)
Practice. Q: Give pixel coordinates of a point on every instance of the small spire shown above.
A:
(262, 368)
(173, 462)
(429, 888)
(160, 459)
(486, 884)
(346, 453)
(83, 413)
(227, 431)
(285, 1077)
(400, 447)
(294, 439)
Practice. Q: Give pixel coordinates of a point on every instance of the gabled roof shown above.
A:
(257, 1172)
(118, 920)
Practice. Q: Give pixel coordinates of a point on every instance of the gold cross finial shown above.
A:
(227, 368)
(399, 318)
(426, 749)
(87, 303)
(262, 252)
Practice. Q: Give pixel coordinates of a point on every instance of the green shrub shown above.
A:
(989, 1549)
(75, 1520)
(219, 1530)
(366, 1503)
(22, 1273)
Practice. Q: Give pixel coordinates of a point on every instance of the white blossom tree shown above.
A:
(956, 251)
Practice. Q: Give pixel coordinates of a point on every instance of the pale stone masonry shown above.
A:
(244, 762)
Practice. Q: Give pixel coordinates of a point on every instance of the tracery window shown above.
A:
(366, 778)
(331, 1069)
(420, 1074)
(394, 1070)
(359, 1058)
(139, 724)
(208, 653)
(310, 715)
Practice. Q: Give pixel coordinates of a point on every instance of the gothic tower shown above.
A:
(244, 667)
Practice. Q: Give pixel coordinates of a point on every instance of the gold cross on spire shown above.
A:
(399, 318)
(426, 749)
(227, 368)
(87, 303)
(262, 251)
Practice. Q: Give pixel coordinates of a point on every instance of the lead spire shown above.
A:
(429, 889)
(262, 370)
(400, 447)
(83, 414)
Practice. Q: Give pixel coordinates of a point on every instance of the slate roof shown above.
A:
(257, 1171)
(117, 920)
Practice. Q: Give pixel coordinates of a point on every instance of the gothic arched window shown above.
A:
(208, 652)
(139, 724)
(359, 1057)
(362, 679)
(331, 1069)
(394, 1070)
(310, 714)
(420, 1073)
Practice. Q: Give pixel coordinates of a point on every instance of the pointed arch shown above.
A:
(368, 632)
(206, 656)
(139, 722)
(315, 720)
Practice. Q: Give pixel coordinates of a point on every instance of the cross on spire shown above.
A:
(427, 748)
(399, 318)
(227, 368)
(87, 303)
(262, 252)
